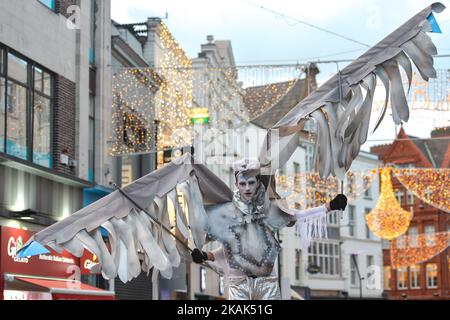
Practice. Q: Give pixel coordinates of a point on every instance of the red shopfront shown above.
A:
(51, 276)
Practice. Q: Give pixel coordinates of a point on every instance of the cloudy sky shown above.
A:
(275, 35)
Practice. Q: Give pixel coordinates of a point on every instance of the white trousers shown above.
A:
(247, 288)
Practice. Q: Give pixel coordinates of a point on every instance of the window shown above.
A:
(297, 264)
(17, 69)
(413, 234)
(221, 286)
(409, 165)
(91, 155)
(368, 187)
(414, 276)
(42, 118)
(401, 242)
(26, 97)
(2, 113)
(351, 220)
(430, 235)
(326, 255)
(333, 219)
(2, 61)
(368, 232)
(399, 194)
(387, 278)
(402, 278)
(354, 281)
(370, 262)
(202, 279)
(432, 272)
(410, 196)
(49, 3)
(16, 113)
(309, 158)
(296, 176)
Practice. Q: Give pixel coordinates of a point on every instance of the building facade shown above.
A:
(54, 108)
(347, 265)
(429, 279)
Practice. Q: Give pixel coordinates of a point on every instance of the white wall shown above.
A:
(35, 31)
(359, 243)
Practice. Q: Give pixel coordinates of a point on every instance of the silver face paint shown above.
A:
(247, 186)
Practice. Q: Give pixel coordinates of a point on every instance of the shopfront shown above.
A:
(49, 276)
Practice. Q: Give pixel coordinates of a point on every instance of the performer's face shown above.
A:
(247, 186)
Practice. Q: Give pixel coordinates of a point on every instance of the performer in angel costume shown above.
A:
(246, 229)
(136, 218)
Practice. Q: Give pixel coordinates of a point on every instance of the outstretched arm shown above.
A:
(312, 223)
(338, 203)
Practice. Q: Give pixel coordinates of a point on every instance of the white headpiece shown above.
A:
(249, 166)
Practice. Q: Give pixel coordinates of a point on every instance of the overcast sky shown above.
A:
(262, 37)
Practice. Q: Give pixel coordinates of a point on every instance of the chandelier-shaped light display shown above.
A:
(388, 220)
(430, 185)
(414, 249)
(306, 190)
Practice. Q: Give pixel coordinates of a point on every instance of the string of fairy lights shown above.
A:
(183, 89)
(306, 190)
(428, 184)
(410, 250)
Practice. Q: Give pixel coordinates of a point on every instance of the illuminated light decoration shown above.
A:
(133, 110)
(166, 93)
(200, 116)
(307, 190)
(175, 97)
(388, 220)
(432, 95)
(430, 185)
(411, 250)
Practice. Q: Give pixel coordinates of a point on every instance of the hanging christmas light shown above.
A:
(170, 91)
(306, 190)
(430, 185)
(388, 220)
(414, 249)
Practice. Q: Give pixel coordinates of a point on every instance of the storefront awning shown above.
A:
(58, 289)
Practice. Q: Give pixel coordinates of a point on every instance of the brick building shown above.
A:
(429, 279)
